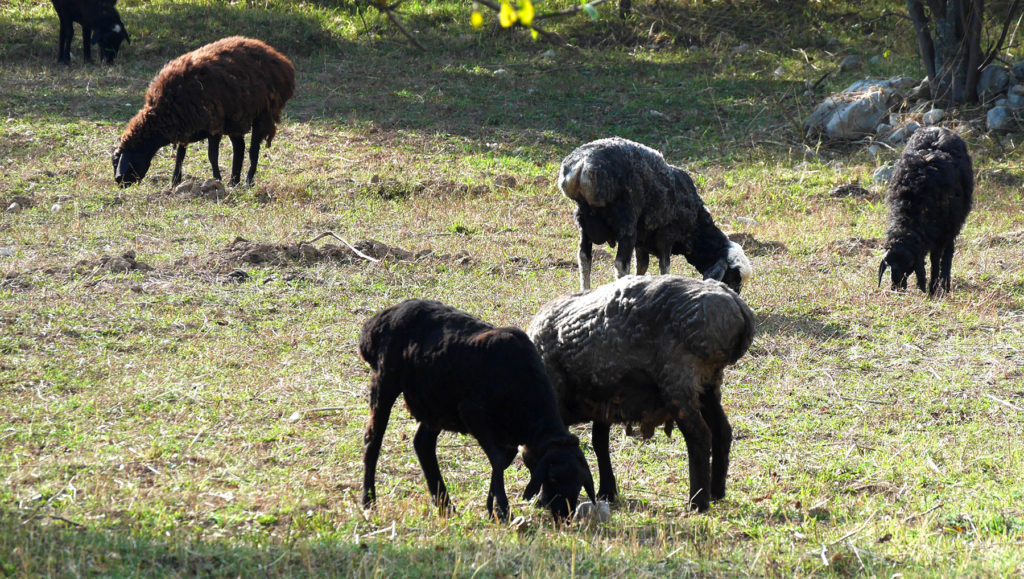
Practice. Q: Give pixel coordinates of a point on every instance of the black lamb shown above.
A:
(627, 194)
(930, 195)
(648, 351)
(461, 374)
(101, 25)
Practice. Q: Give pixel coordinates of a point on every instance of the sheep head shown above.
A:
(558, 475)
(109, 38)
(733, 269)
(901, 263)
(131, 165)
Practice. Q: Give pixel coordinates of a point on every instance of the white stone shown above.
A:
(882, 174)
(932, 117)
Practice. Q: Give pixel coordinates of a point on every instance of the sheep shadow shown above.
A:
(820, 330)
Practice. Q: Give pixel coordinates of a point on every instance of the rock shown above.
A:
(1018, 71)
(55, 208)
(599, 512)
(999, 119)
(873, 150)
(922, 91)
(779, 72)
(857, 111)
(882, 130)
(14, 207)
(882, 174)
(741, 49)
(932, 117)
(746, 221)
(876, 59)
(6, 252)
(1013, 101)
(851, 62)
(898, 136)
(994, 81)
(912, 127)
(1016, 89)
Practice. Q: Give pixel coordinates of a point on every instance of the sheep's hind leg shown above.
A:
(86, 43)
(380, 412)
(934, 282)
(698, 448)
(237, 155)
(721, 439)
(946, 268)
(624, 256)
(179, 158)
(643, 261)
(607, 490)
(425, 443)
(213, 152)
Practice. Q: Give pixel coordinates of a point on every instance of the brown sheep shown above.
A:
(228, 87)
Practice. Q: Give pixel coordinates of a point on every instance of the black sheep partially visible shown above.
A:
(650, 351)
(930, 194)
(228, 87)
(101, 25)
(460, 374)
(627, 194)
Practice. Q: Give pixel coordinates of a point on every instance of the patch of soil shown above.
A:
(856, 246)
(123, 263)
(853, 190)
(754, 247)
(435, 188)
(1011, 238)
(17, 203)
(242, 250)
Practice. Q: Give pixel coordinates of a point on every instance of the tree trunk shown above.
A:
(949, 43)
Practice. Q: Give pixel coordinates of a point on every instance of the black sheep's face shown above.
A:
(900, 262)
(733, 279)
(109, 39)
(561, 473)
(130, 166)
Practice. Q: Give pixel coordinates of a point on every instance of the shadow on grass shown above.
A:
(808, 326)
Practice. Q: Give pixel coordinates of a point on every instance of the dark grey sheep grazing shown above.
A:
(461, 374)
(627, 194)
(648, 350)
(930, 194)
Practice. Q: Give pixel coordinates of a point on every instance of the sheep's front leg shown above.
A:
(624, 255)
(474, 417)
(721, 439)
(380, 412)
(585, 259)
(67, 34)
(179, 158)
(643, 261)
(425, 443)
(213, 152)
(237, 155)
(665, 261)
(698, 449)
(945, 270)
(86, 42)
(608, 490)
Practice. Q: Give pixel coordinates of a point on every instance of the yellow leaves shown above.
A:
(525, 13)
(476, 19)
(507, 15)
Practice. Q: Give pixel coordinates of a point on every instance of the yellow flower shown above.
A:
(526, 12)
(476, 19)
(507, 15)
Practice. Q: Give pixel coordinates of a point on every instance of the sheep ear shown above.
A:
(881, 271)
(536, 479)
(717, 271)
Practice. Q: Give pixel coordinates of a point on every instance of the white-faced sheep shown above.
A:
(648, 351)
(627, 194)
(930, 195)
(101, 25)
(460, 374)
(228, 87)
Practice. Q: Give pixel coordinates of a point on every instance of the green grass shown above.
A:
(177, 422)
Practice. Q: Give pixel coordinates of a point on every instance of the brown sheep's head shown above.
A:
(130, 166)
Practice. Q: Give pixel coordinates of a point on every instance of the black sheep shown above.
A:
(228, 87)
(101, 25)
(930, 194)
(460, 374)
(627, 194)
(648, 351)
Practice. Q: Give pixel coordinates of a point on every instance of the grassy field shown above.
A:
(203, 414)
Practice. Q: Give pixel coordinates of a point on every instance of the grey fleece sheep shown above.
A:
(461, 374)
(648, 350)
(930, 195)
(627, 194)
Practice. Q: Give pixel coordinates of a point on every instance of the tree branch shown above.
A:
(389, 10)
(1002, 37)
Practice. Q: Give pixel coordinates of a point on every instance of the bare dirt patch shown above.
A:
(755, 247)
(854, 191)
(855, 246)
(209, 189)
(243, 251)
(1011, 238)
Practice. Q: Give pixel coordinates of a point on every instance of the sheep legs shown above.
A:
(599, 437)
(721, 440)
(942, 265)
(67, 33)
(380, 412)
(623, 256)
(179, 158)
(585, 259)
(237, 155)
(698, 449)
(500, 457)
(425, 443)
